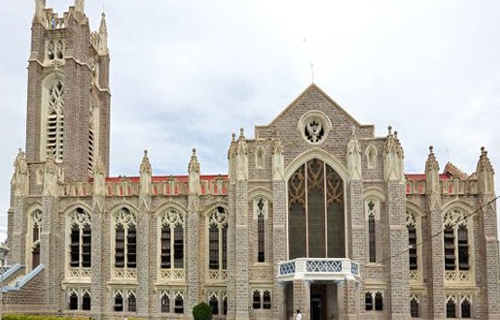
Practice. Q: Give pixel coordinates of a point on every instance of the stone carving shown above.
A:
(20, 180)
(278, 161)
(194, 175)
(99, 178)
(241, 158)
(145, 171)
(393, 158)
(354, 157)
(50, 177)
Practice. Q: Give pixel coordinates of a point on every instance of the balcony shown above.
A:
(318, 269)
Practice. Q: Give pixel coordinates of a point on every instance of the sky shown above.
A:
(187, 74)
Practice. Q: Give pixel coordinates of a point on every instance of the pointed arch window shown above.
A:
(132, 302)
(125, 239)
(256, 300)
(179, 303)
(451, 307)
(465, 308)
(414, 307)
(456, 241)
(217, 233)
(80, 238)
(316, 212)
(214, 304)
(55, 120)
(368, 301)
(36, 230)
(73, 300)
(172, 239)
(371, 157)
(86, 301)
(165, 302)
(411, 224)
(372, 214)
(261, 214)
(379, 301)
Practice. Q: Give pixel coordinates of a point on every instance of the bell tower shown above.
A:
(68, 105)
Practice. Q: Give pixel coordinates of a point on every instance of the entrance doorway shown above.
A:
(318, 302)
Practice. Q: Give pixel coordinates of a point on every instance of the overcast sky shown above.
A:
(187, 74)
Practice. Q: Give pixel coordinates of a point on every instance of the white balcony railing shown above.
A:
(318, 269)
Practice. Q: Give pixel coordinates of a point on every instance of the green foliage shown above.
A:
(202, 311)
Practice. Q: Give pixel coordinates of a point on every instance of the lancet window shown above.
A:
(125, 239)
(316, 212)
(79, 299)
(36, 231)
(55, 120)
(411, 224)
(261, 213)
(55, 49)
(172, 239)
(372, 209)
(456, 241)
(414, 306)
(80, 233)
(217, 242)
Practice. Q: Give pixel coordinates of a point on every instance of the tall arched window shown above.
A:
(36, 231)
(260, 207)
(80, 233)
(217, 239)
(372, 208)
(316, 212)
(451, 311)
(414, 307)
(214, 303)
(456, 241)
(172, 239)
(125, 239)
(411, 224)
(465, 307)
(55, 120)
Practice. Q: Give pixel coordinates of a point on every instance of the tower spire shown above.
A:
(103, 33)
(80, 5)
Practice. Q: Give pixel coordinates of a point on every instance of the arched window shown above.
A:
(217, 239)
(260, 207)
(86, 301)
(316, 212)
(214, 304)
(179, 302)
(451, 308)
(55, 120)
(379, 301)
(36, 230)
(172, 239)
(132, 302)
(256, 299)
(266, 300)
(414, 307)
(225, 304)
(412, 240)
(456, 241)
(466, 307)
(372, 216)
(165, 302)
(118, 302)
(125, 239)
(368, 301)
(73, 300)
(80, 234)
(55, 49)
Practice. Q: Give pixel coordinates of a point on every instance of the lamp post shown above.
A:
(3, 252)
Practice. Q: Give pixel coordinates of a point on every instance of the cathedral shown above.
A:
(315, 213)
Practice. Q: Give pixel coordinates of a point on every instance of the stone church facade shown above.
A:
(315, 213)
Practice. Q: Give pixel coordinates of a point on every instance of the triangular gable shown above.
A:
(308, 90)
(453, 171)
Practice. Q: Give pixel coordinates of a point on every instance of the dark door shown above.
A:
(318, 302)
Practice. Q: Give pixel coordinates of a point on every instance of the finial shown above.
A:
(483, 150)
(431, 149)
(233, 136)
(389, 128)
(194, 151)
(145, 152)
(241, 132)
(395, 134)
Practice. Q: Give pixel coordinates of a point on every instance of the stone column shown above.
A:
(144, 250)
(98, 288)
(302, 298)
(490, 268)
(279, 226)
(437, 305)
(351, 300)
(398, 264)
(192, 233)
(231, 232)
(51, 250)
(341, 310)
(241, 229)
